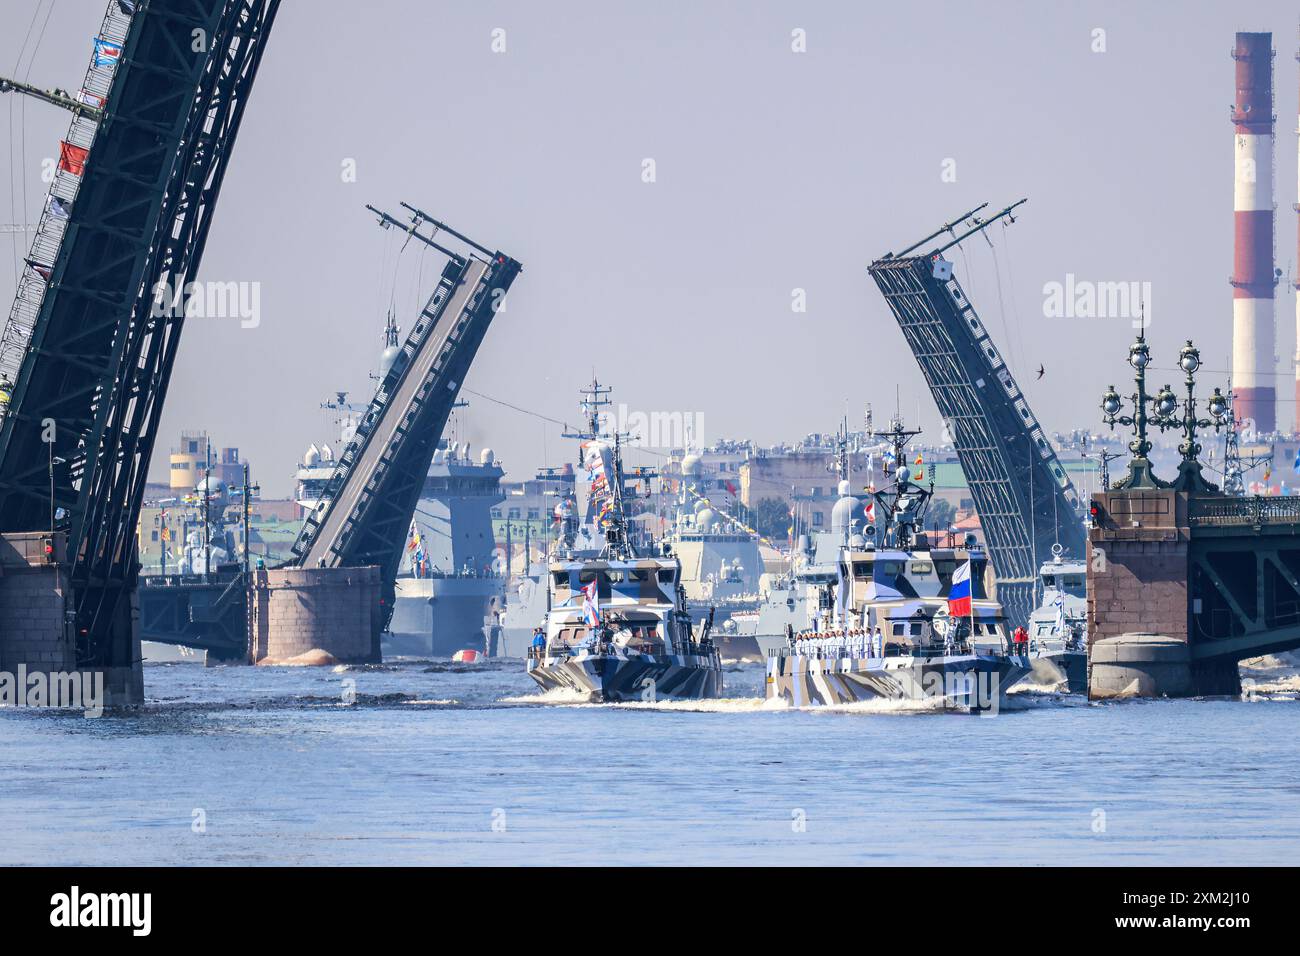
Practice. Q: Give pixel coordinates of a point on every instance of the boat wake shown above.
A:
(554, 696)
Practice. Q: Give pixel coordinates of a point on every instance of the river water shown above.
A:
(435, 763)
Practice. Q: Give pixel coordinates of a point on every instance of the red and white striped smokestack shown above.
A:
(1252, 277)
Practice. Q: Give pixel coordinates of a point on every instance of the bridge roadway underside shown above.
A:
(1206, 580)
(204, 612)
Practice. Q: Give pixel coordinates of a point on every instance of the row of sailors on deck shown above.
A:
(860, 643)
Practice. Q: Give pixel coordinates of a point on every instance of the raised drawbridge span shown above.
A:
(90, 343)
(1024, 498)
(369, 501)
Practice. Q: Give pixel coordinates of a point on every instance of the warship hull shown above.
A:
(970, 682)
(436, 617)
(1062, 667)
(152, 652)
(734, 626)
(511, 642)
(609, 678)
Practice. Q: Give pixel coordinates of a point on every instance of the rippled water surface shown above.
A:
(440, 763)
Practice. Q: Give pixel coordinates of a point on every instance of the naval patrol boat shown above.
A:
(905, 619)
(1058, 627)
(617, 626)
(572, 532)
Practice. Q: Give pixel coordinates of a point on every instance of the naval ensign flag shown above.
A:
(959, 594)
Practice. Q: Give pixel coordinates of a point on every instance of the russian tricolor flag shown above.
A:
(591, 605)
(959, 594)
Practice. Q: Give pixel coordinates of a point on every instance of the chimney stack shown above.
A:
(1253, 278)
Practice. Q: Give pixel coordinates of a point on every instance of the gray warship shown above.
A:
(720, 560)
(617, 627)
(1058, 627)
(721, 564)
(449, 585)
(905, 619)
(574, 533)
(799, 599)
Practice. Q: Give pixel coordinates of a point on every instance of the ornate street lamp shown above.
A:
(1167, 412)
(1139, 468)
(1189, 469)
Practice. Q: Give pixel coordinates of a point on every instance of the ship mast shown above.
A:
(898, 438)
(618, 542)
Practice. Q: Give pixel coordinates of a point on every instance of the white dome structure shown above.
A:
(844, 513)
(486, 456)
(387, 359)
(211, 487)
(312, 458)
(692, 465)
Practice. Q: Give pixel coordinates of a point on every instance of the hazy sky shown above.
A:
(775, 170)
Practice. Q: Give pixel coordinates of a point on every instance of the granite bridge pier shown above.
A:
(1184, 581)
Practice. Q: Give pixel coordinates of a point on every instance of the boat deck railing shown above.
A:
(857, 648)
(694, 648)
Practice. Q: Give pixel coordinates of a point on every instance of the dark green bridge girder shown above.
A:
(99, 361)
(1243, 576)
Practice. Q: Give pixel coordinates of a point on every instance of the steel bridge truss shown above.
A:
(370, 499)
(1024, 498)
(100, 353)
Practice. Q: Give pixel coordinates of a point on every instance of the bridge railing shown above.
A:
(1255, 510)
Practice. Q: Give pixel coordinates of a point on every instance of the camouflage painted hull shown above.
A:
(1067, 667)
(608, 678)
(963, 681)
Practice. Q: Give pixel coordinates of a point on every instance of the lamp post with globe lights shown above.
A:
(1139, 468)
(1189, 469)
(1167, 412)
